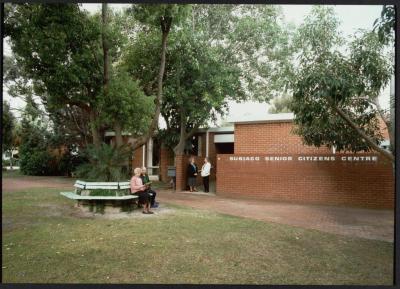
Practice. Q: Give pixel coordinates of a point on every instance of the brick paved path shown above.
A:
(19, 183)
(358, 222)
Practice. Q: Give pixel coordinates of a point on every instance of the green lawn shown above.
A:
(45, 240)
(11, 174)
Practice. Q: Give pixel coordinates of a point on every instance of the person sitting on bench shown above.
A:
(146, 181)
(139, 189)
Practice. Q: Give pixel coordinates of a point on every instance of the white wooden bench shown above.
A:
(117, 186)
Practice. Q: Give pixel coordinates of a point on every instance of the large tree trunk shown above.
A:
(165, 28)
(105, 48)
(106, 73)
(93, 128)
(118, 134)
(179, 149)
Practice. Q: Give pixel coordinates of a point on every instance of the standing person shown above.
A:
(205, 174)
(146, 181)
(192, 174)
(139, 189)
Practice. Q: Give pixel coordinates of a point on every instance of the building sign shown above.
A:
(300, 158)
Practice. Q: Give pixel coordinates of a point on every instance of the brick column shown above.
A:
(180, 162)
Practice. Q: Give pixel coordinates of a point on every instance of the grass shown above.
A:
(11, 174)
(45, 240)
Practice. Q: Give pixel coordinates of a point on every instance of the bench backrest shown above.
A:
(124, 185)
(102, 185)
(80, 184)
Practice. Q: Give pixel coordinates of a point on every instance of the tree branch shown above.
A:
(384, 118)
(362, 134)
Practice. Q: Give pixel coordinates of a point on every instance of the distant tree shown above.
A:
(334, 94)
(281, 104)
(35, 158)
(8, 126)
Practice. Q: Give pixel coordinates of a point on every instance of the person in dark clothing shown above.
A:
(192, 174)
(146, 181)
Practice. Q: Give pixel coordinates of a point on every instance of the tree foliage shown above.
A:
(335, 93)
(35, 158)
(386, 24)
(198, 86)
(253, 37)
(63, 65)
(8, 126)
(281, 104)
(216, 53)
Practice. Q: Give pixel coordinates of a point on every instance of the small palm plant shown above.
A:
(106, 163)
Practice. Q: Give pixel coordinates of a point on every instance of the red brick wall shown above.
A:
(384, 130)
(137, 161)
(166, 159)
(270, 138)
(180, 166)
(364, 184)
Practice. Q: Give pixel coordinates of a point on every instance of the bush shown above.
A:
(69, 163)
(5, 163)
(38, 163)
(106, 164)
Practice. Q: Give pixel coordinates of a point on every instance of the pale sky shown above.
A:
(352, 18)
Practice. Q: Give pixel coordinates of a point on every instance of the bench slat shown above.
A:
(74, 196)
(124, 187)
(102, 183)
(79, 186)
(88, 187)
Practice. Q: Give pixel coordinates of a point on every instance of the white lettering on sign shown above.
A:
(359, 158)
(306, 158)
(276, 158)
(316, 158)
(252, 158)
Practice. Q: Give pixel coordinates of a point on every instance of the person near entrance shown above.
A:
(192, 174)
(146, 181)
(205, 174)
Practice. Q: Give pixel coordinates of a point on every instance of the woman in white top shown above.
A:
(205, 173)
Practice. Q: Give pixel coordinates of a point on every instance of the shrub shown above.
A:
(106, 164)
(5, 163)
(69, 163)
(37, 163)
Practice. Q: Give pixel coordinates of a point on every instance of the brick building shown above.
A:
(263, 159)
